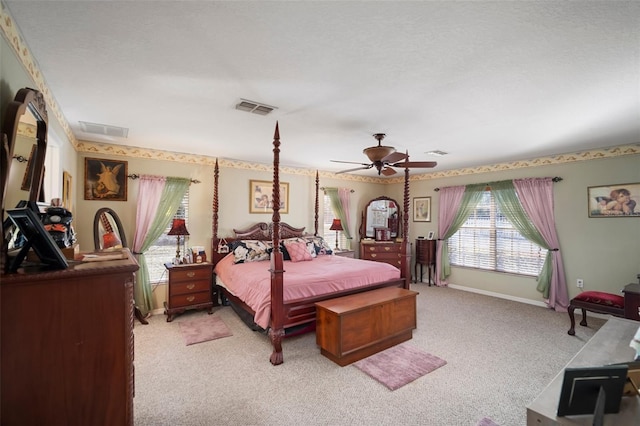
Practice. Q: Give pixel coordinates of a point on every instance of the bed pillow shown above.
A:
(319, 244)
(298, 251)
(250, 251)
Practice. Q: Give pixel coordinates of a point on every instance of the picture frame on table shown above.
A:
(105, 180)
(430, 235)
(261, 197)
(617, 200)
(422, 209)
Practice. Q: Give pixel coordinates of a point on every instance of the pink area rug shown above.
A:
(399, 365)
(203, 329)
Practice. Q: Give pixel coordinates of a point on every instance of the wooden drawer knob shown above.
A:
(191, 298)
(191, 274)
(387, 248)
(191, 286)
(373, 255)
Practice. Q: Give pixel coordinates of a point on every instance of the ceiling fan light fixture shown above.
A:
(377, 153)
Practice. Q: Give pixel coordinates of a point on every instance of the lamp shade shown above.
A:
(336, 225)
(178, 228)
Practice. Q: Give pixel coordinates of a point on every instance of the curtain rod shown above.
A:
(351, 190)
(555, 179)
(135, 176)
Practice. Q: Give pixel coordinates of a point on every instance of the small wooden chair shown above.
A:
(595, 301)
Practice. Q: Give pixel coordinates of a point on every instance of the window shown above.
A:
(164, 249)
(327, 219)
(487, 240)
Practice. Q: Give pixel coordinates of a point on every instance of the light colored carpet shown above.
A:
(500, 355)
(203, 329)
(399, 365)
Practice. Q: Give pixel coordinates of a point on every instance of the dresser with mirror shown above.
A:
(380, 232)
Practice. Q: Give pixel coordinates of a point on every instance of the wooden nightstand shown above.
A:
(345, 253)
(189, 287)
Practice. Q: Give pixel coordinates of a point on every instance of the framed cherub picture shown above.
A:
(618, 200)
(105, 180)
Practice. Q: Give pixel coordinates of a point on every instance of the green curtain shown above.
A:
(470, 199)
(338, 210)
(507, 199)
(170, 200)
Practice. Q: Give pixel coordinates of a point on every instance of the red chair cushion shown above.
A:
(601, 298)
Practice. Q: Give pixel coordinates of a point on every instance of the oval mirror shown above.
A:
(381, 212)
(108, 232)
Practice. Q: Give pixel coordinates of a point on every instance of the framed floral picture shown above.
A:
(261, 197)
(619, 200)
(105, 180)
(422, 209)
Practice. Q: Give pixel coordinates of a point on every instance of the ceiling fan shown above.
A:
(385, 158)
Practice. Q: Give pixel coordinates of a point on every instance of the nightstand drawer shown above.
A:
(190, 299)
(190, 286)
(190, 273)
(381, 248)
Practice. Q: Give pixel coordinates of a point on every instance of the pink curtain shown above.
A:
(450, 200)
(344, 195)
(149, 195)
(536, 197)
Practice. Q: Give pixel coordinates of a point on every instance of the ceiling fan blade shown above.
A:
(364, 167)
(394, 157)
(349, 162)
(388, 171)
(417, 164)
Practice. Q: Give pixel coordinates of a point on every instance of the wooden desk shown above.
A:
(609, 345)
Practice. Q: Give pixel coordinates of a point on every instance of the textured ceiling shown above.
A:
(486, 82)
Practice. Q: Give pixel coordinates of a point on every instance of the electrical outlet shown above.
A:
(580, 283)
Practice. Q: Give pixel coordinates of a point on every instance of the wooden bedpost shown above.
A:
(406, 245)
(214, 231)
(276, 331)
(317, 204)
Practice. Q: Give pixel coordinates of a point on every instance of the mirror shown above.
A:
(381, 212)
(108, 232)
(24, 146)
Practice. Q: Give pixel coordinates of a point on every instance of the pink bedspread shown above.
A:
(251, 282)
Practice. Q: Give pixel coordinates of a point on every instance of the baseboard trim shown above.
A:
(498, 295)
(517, 299)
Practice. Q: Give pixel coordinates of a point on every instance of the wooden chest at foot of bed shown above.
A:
(353, 327)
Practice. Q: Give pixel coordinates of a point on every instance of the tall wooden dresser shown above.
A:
(425, 255)
(67, 344)
(382, 251)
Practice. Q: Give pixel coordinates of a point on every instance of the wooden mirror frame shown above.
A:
(97, 221)
(365, 218)
(33, 101)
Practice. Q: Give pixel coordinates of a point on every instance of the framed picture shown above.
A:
(619, 200)
(66, 191)
(261, 197)
(26, 180)
(105, 180)
(430, 235)
(422, 209)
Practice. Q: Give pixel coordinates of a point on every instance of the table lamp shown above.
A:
(336, 225)
(178, 228)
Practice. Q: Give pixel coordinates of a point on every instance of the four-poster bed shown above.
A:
(277, 303)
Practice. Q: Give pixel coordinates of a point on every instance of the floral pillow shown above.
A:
(319, 244)
(250, 250)
(298, 251)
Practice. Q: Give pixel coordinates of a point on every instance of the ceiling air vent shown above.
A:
(104, 129)
(437, 153)
(254, 107)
